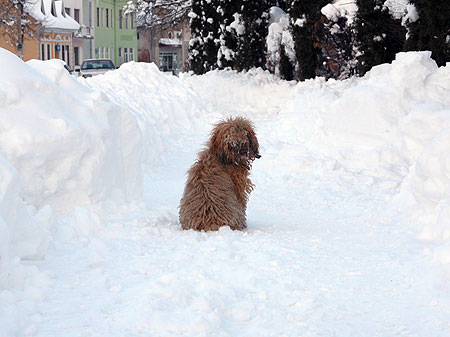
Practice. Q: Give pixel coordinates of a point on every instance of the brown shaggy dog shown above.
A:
(218, 186)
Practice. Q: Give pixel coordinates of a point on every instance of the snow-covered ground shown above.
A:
(348, 227)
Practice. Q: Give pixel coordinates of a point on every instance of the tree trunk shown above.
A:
(19, 30)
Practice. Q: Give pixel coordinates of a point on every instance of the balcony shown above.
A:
(85, 32)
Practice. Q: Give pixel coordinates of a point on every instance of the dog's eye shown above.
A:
(243, 150)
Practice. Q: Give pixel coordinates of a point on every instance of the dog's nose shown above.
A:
(257, 156)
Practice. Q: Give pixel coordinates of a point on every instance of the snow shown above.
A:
(41, 11)
(341, 8)
(348, 227)
(279, 35)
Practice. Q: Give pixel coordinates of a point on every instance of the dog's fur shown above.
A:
(218, 187)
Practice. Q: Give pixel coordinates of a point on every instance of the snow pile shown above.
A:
(170, 107)
(61, 145)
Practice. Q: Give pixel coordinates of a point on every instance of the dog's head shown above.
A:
(233, 142)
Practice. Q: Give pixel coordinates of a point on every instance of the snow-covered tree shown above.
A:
(159, 13)
(228, 33)
(16, 23)
(205, 27)
(254, 17)
(280, 54)
(335, 37)
(429, 29)
(379, 35)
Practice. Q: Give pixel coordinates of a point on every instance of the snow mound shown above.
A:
(61, 145)
(171, 107)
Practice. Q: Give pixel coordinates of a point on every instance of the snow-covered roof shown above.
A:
(170, 42)
(41, 10)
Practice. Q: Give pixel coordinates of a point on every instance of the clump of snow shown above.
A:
(237, 25)
(340, 8)
(402, 9)
(279, 36)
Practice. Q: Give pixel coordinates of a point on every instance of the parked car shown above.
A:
(95, 67)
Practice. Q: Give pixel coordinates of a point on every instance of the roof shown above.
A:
(51, 14)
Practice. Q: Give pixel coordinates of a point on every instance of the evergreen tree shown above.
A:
(204, 36)
(251, 47)
(306, 16)
(286, 67)
(379, 36)
(227, 42)
(432, 29)
(337, 58)
(196, 47)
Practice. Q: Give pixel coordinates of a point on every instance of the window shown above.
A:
(67, 10)
(76, 56)
(102, 18)
(132, 20)
(120, 18)
(168, 61)
(76, 15)
(98, 17)
(66, 55)
(131, 54)
(126, 21)
(48, 52)
(107, 17)
(125, 55)
(112, 22)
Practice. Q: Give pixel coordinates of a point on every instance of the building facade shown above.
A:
(168, 48)
(115, 32)
(53, 32)
(56, 33)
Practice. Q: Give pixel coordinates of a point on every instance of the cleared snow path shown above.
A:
(323, 256)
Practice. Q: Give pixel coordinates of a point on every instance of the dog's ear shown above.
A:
(217, 145)
(253, 141)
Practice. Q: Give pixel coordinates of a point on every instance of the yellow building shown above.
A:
(53, 33)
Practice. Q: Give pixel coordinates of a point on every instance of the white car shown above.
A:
(94, 67)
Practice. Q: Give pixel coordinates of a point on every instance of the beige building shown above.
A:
(167, 48)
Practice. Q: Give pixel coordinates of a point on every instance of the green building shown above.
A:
(115, 32)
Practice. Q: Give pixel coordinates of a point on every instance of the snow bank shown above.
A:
(61, 145)
(171, 110)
